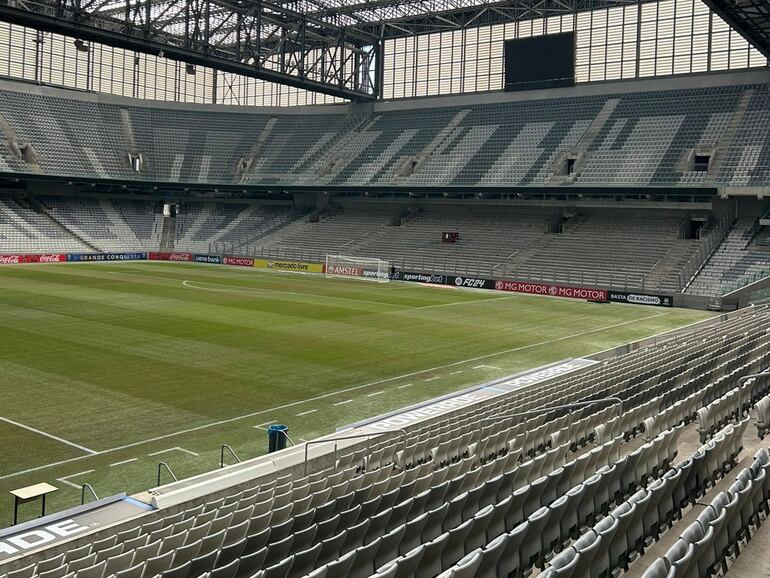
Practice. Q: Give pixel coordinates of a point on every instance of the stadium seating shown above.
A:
(575, 492)
(619, 139)
(735, 263)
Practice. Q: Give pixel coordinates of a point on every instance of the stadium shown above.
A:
(395, 288)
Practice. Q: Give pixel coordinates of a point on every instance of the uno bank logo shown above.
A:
(40, 536)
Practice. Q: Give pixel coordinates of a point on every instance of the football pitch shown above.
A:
(108, 369)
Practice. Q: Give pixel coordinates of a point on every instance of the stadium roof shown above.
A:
(327, 46)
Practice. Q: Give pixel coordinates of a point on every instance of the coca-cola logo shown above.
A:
(8, 259)
(180, 257)
(52, 258)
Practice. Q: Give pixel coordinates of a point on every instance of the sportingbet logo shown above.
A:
(40, 536)
(9, 259)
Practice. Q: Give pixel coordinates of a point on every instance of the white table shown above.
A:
(29, 493)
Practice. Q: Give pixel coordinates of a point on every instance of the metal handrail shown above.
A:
(162, 465)
(83, 493)
(402, 432)
(222, 455)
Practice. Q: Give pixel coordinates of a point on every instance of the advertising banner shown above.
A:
(208, 259)
(552, 290)
(347, 270)
(641, 299)
(239, 261)
(107, 257)
(472, 282)
(170, 256)
(296, 266)
(15, 259)
(415, 277)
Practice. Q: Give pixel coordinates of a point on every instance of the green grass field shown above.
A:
(107, 369)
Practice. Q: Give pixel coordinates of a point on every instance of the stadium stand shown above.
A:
(615, 140)
(599, 247)
(738, 260)
(529, 479)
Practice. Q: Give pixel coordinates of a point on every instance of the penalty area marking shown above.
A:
(375, 393)
(50, 436)
(65, 479)
(343, 402)
(338, 392)
(405, 385)
(124, 462)
(307, 412)
(174, 449)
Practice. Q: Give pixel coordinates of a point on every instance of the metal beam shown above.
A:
(246, 37)
(750, 18)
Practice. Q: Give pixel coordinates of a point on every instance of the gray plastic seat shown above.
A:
(490, 557)
(250, 563)
(430, 564)
(157, 565)
(95, 571)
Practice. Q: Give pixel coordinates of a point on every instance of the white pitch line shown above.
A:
(50, 436)
(434, 378)
(174, 449)
(456, 372)
(65, 479)
(405, 385)
(124, 462)
(264, 424)
(307, 412)
(334, 393)
(375, 393)
(343, 402)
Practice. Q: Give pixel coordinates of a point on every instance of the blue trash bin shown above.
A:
(276, 437)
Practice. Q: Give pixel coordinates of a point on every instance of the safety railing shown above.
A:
(161, 467)
(83, 489)
(222, 455)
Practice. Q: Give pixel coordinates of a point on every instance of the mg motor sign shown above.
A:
(641, 299)
(346, 270)
(552, 290)
(239, 261)
(471, 282)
